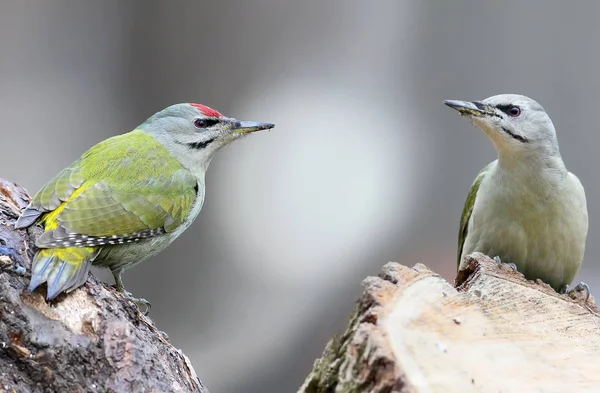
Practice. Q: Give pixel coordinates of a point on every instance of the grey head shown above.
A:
(193, 133)
(516, 124)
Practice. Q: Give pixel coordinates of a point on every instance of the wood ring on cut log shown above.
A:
(414, 332)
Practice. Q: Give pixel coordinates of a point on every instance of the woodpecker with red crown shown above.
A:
(128, 197)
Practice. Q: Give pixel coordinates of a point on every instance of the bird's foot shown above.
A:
(8, 256)
(139, 301)
(509, 264)
(9, 252)
(121, 288)
(577, 289)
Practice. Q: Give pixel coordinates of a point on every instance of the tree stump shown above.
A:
(493, 331)
(90, 340)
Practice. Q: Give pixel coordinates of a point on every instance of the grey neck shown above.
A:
(538, 171)
(195, 161)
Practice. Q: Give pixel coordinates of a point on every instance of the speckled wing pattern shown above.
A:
(468, 210)
(129, 188)
(122, 190)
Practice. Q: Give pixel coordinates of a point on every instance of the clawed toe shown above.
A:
(121, 288)
(512, 266)
(509, 264)
(579, 288)
(140, 302)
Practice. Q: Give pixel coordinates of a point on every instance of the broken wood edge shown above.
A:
(92, 336)
(362, 359)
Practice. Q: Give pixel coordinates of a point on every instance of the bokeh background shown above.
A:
(366, 165)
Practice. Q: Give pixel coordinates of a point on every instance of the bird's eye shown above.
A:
(203, 123)
(514, 111)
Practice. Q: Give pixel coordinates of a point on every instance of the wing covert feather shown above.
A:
(468, 210)
(127, 185)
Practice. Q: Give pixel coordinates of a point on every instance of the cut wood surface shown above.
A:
(494, 331)
(90, 340)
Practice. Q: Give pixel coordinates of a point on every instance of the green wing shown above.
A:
(468, 209)
(52, 195)
(125, 188)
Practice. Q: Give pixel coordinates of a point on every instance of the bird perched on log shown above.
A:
(525, 208)
(128, 197)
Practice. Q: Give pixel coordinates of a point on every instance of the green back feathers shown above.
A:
(468, 209)
(125, 186)
(122, 190)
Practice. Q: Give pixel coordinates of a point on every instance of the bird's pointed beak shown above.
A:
(466, 108)
(250, 126)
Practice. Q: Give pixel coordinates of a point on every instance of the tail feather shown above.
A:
(39, 274)
(28, 217)
(63, 269)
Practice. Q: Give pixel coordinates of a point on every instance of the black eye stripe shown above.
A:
(204, 123)
(507, 109)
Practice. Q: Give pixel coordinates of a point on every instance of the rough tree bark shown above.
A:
(90, 340)
(493, 331)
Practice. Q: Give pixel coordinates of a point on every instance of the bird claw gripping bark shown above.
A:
(8, 257)
(509, 264)
(581, 287)
(7, 251)
(140, 301)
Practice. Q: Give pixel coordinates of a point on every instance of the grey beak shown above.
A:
(474, 108)
(251, 126)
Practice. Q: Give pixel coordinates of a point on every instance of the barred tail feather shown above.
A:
(63, 269)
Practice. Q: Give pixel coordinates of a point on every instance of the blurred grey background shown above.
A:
(366, 165)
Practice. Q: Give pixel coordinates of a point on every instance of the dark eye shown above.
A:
(203, 123)
(514, 111)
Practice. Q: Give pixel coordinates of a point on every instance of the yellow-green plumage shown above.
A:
(127, 198)
(123, 190)
(467, 210)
